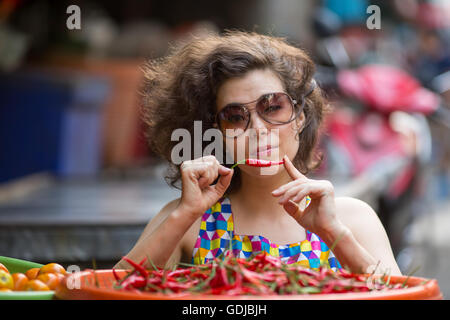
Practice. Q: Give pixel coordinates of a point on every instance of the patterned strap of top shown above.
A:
(217, 233)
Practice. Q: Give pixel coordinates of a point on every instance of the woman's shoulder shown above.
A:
(155, 221)
(351, 203)
(171, 205)
(354, 212)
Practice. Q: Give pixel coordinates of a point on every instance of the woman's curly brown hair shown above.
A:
(181, 88)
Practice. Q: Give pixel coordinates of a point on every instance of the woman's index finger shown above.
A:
(292, 170)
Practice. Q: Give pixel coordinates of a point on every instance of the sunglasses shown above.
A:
(275, 108)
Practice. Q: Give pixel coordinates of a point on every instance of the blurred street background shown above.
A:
(78, 182)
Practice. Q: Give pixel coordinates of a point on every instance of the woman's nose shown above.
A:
(256, 122)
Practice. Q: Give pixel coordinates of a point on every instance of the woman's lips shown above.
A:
(265, 151)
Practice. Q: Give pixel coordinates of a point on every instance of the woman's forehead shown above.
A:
(248, 87)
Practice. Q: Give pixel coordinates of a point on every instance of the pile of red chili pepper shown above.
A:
(261, 275)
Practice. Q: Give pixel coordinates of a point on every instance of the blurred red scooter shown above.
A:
(378, 142)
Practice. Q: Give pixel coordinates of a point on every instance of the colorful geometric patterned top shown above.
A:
(217, 229)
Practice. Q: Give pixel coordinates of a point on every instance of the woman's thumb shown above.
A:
(293, 209)
(224, 181)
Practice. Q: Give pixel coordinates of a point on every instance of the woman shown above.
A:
(249, 85)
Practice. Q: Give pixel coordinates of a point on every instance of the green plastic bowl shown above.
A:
(17, 265)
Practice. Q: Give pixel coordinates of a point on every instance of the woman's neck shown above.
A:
(255, 194)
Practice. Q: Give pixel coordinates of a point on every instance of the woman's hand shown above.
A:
(319, 216)
(198, 195)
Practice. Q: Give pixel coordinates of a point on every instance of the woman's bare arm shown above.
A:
(367, 245)
(161, 239)
(348, 225)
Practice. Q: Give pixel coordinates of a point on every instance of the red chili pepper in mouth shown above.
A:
(258, 163)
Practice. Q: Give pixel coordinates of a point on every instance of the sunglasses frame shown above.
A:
(247, 110)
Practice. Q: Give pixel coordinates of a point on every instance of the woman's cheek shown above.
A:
(293, 149)
(289, 144)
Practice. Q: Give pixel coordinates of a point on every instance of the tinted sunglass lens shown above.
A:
(233, 120)
(276, 108)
